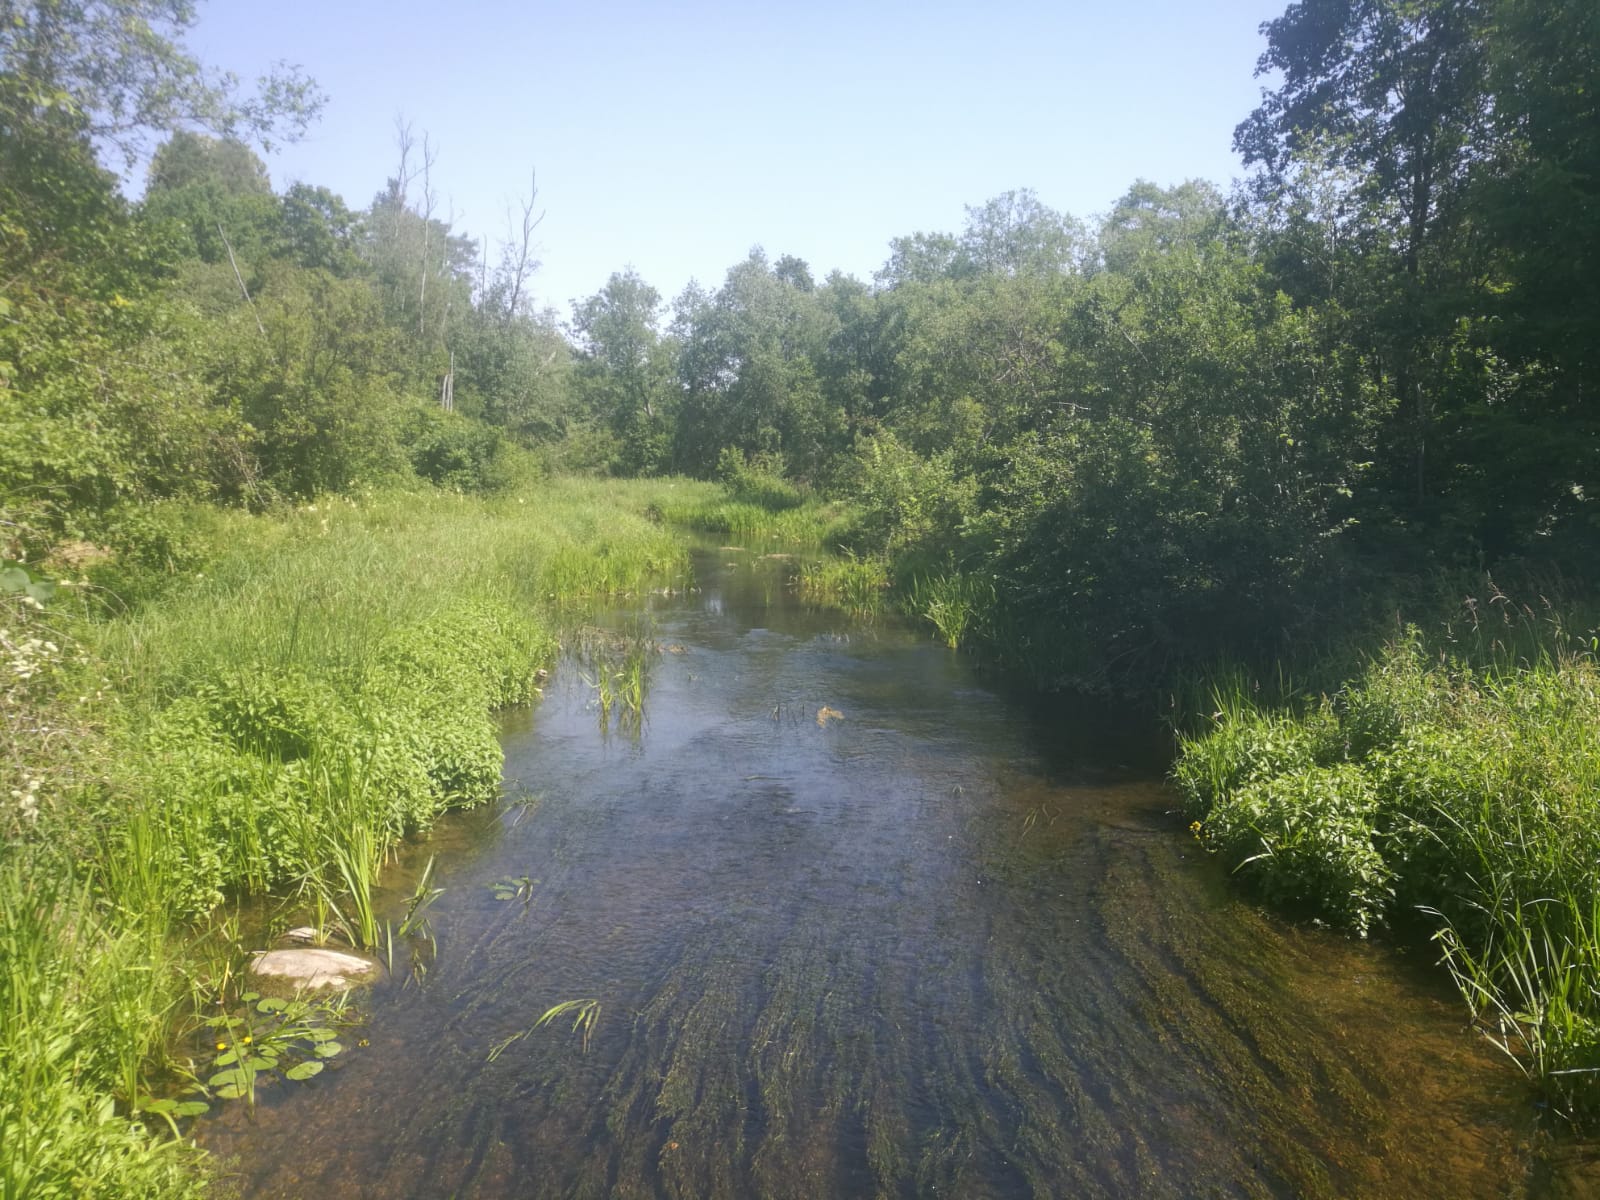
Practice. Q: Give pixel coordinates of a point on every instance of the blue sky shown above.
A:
(674, 137)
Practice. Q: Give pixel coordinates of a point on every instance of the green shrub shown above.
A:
(758, 480)
(460, 454)
(1307, 839)
(1245, 745)
(1465, 791)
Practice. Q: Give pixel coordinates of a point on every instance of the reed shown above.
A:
(860, 586)
(955, 604)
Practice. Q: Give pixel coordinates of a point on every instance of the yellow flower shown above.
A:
(247, 1039)
(222, 1045)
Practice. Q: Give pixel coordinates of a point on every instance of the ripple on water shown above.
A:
(939, 946)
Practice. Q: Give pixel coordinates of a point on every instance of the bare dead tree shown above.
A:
(400, 187)
(429, 155)
(449, 295)
(518, 253)
(234, 263)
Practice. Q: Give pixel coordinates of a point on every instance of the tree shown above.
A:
(1152, 220)
(319, 231)
(1392, 88)
(626, 371)
(216, 191)
(119, 68)
(1014, 234)
(748, 369)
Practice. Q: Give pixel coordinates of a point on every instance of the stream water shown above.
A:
(946, 943)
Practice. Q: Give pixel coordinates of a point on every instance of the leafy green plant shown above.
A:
(17, 580)
(262, 1038)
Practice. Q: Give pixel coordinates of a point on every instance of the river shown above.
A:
(860, 921)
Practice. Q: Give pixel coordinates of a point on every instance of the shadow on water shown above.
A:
(932, 946)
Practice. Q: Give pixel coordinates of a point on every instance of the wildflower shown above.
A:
(246, 1039)
(1194, 828)
(222, 1046)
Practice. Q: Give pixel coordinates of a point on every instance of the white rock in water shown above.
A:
(314, 967)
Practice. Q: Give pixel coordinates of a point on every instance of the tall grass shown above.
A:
(766, 512)
(860, 586)
(1455, 778)
(955, 604)
(320, 685)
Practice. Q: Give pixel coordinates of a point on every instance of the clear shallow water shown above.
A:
(949, 944)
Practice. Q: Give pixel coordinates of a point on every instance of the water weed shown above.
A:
(585, 1016)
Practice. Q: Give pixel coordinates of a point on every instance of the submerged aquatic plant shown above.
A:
(509, 887)
(585, 1016)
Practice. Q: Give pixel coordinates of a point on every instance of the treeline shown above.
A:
(1202, 423)
(218, 341)
(1206, 423)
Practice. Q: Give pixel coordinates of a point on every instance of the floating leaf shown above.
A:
(190, 1108)
(304, 1070)
(327, 1049)
(272, 1004)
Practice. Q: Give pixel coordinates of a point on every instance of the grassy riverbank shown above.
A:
(317, 685)
(1453, 780)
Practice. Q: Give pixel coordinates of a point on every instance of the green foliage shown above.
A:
(325, 684)
(460, 454)
(857, 585)
(758, 481)
(76, 996)
(1306, 838)
(1456, 783)
(958, 606)
(910, 508)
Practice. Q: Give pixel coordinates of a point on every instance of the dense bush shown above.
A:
(1460, 793)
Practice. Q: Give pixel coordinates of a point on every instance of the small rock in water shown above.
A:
(314, 968)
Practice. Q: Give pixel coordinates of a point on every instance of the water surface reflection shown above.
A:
(937, 946)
